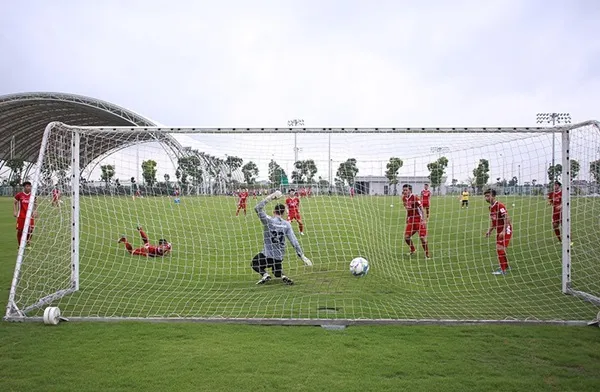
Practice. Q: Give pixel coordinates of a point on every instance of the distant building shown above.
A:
(380, 185)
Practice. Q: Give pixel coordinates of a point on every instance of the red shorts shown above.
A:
(414, 227)
(242, 205)
(557, 217)
(143, 251)
(294, 215)
(21, 224)
(426, 205)
(506, 240)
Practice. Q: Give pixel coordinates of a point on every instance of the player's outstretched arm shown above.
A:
(294, 241)
(260, 207)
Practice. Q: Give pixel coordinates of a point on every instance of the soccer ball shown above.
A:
(359, 266)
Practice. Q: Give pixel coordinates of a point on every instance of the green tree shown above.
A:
(276, 173)
(393, 165)
(16, 170)
(481, 174)
(595, 170)
(554, 172)
(107, 172)
(250, 172)
(167, 177)
(233, 164)
(189, 167)
(347, 171)
(149, 171)
(575, 168)
(436, 171)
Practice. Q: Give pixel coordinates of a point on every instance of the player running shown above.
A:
(56, 197)
(426, 197)
(555, 200)
(275, 231)
(502, 224)
(415, 221)
(163, 248)
(464, 197)
(20, 206)
(293, 205)
(243, 197)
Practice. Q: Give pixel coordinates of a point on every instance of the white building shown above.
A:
(380, 185)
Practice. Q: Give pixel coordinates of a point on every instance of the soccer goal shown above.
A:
(99, 253)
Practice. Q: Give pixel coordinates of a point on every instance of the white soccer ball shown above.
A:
(391, 205)
(513, 204)
(359, 266)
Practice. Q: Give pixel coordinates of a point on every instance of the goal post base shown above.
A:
(585, 296)
(331, 323)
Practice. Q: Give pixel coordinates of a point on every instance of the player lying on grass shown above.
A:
(147, 250)
(275, 231)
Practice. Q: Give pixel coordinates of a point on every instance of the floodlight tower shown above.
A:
(295, 123)
(554, 118)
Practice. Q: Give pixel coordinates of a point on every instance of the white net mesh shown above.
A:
(208, 272)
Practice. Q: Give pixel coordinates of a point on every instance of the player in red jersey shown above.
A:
(254, 194)
(426, 197)
(147, 250)
(302, 192)
(20, 212)
(293, 205)
(56, 197)
(352, 192)
(502, 224)
(415, 221)
(243, 196)
(555, 200)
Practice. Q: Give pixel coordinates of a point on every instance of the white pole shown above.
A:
(566, 214)
(295, 148)
(11, 307)
(75, 211)
(329, 161)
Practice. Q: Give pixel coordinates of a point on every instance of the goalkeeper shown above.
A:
(275, 230)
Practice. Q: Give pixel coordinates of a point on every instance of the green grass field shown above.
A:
(209, 276)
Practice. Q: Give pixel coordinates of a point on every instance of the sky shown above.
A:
(330, 63)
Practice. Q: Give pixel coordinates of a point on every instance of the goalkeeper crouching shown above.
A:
(275, 231)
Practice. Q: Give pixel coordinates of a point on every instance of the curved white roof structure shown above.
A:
(24, 116)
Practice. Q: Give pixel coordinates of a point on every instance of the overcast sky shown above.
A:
(347, 63)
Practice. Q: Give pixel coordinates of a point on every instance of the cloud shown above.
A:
(332, 63)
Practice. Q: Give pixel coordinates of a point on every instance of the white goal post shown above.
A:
(181, 184)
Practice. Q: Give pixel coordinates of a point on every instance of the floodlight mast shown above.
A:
(554, 118)
(295, 123)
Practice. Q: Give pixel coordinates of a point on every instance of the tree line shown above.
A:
(196, 168)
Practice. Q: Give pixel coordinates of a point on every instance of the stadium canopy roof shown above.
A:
(24, 116)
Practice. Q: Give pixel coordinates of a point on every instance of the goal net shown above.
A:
(87, 256)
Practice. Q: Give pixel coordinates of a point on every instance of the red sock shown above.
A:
(144, 236)
(237, 212)
(412, 246)
(502, 259)
(128, 246)
(557, 232)
(301, 226)
(426, 248)
(19, 235)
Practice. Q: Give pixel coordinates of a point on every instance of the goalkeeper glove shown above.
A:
(306, 261)
(274, 195)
